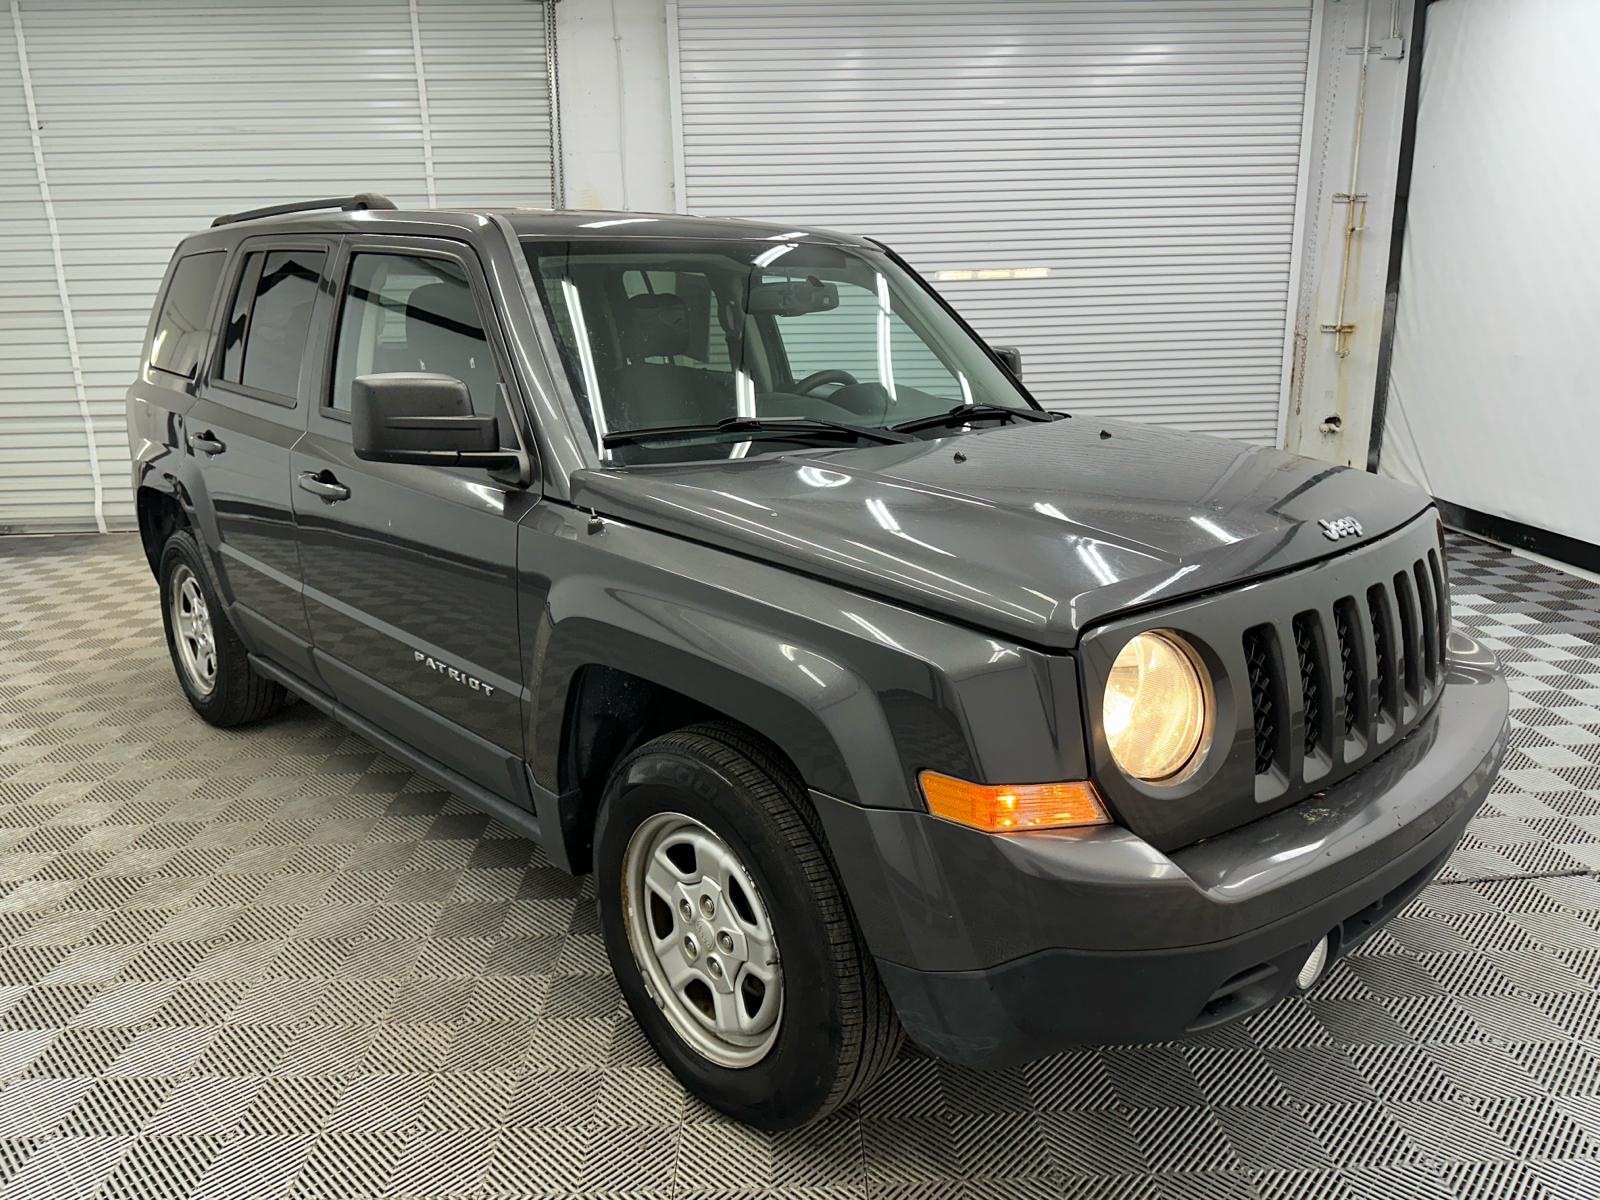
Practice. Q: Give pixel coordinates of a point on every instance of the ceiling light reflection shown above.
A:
(817, 477)
(1215, 530)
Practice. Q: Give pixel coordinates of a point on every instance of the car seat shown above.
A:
(444, 334)
(645, 394)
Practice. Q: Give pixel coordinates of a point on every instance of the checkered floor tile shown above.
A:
(273, 962)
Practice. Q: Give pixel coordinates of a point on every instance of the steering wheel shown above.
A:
(817, 378)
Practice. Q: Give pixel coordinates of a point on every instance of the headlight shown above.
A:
(1155, 708)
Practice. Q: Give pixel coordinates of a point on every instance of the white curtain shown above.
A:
(1494, 399)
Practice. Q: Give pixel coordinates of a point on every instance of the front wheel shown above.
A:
(729, 932)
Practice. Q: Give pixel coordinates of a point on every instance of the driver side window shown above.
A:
(412, 313)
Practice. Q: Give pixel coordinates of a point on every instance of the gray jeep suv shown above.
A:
(725, 561)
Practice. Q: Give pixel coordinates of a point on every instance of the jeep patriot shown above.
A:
(725, 561)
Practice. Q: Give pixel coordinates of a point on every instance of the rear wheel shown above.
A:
(730, 934)
(212, 664)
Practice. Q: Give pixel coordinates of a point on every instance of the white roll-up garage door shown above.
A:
(154, 118)
(1143, 152)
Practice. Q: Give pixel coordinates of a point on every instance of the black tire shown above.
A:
(237, 694)
(837, 1030)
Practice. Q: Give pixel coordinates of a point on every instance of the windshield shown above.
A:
(682, 332)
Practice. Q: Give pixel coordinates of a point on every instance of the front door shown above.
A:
(410, 571)
(248, 415)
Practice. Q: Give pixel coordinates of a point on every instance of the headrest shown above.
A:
(658, 327)
(441, 308)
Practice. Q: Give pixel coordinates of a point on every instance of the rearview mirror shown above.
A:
(1011, 357)
(793, 298)
(422, 417)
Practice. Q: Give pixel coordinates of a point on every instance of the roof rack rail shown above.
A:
(360, 202)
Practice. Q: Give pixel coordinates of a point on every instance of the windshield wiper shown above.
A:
(811, 426)
(965, 412)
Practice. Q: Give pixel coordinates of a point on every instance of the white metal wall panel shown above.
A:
(489, 101)
(1493, 391)
(44, 458)
(156, 117)
(1145, 151)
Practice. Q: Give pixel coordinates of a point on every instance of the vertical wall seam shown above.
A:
(680, 182)
(622, 106)
(558, 182)
(422, 104)
(1301, 224)
(1417, 35)
(61, 268)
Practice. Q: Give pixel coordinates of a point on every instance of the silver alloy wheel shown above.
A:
(702, 939)
(192, 631)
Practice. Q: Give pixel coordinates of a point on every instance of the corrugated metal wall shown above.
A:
(155, 117)
(1146, 152)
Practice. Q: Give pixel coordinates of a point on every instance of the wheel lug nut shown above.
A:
(691, 948)
(686, 909)
(725, 940)
(708, 906)
(714, 967)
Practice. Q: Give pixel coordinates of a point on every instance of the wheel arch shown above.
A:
(160, 514)
(604, 690)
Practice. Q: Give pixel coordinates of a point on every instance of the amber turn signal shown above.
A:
(1011, 808)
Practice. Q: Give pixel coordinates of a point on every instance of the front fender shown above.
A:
(819, 712)
(861, 694)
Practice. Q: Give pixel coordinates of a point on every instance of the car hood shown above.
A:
(1032, 531)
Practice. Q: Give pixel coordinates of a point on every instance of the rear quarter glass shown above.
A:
(185, 321)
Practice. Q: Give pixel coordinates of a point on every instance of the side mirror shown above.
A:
(425, 418)
(1011, 357)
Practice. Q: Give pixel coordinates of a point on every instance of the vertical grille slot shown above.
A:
(1344, 615)
(1410, 652)
(1443, 606)
(1383, 649)
(1264, 704)
(1430, 621)
(1313, 678)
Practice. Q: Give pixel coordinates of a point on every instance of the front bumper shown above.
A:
(1001, 949)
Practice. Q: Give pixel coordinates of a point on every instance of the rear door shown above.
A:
(249, 412)
(410, 571)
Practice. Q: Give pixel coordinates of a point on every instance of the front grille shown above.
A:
(1263, 699)
(1403, 629)
(1311, 673)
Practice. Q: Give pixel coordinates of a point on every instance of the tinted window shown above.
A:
(182, 328)
(412, 314)
(239, 317)
(279, 319)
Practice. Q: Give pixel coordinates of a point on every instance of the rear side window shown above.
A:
(270, 319)
(184, 323)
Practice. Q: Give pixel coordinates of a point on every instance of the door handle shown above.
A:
(205, 443)
(329, 488)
